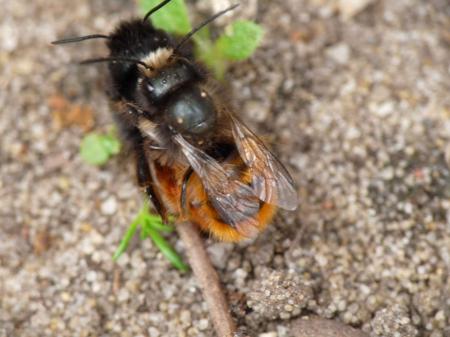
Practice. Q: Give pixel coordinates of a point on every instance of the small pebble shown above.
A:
(109, 206)
(339, 53)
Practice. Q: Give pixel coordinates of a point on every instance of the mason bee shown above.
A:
(195, 158)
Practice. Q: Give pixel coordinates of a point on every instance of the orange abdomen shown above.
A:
(169, 180)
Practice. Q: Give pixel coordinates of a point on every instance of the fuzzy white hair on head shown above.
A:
(156, 59)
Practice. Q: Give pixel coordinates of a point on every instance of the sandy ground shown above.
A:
(357, 107)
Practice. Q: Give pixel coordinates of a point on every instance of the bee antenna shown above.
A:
(203, 24)
(81, 38)
(115, 59)
(154, 9)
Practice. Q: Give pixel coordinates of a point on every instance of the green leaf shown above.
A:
(240, 40)
(154, 222)
(160, 226)
(167, 250)
(112, 143)
(151, 224)
(148, 219)
(215, 62)
(172, 18)
(96, 149)
(208, 54)
(126, 239)
(202, 40)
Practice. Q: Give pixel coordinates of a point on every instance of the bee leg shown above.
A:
(157, 204)
(145, 180)
(186, 177)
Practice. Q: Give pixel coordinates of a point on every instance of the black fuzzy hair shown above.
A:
(133, 39)
(137, 39)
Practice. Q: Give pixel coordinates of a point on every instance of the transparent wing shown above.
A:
(271, 181)
(233, 200)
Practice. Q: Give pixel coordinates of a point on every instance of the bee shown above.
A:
(195, 159)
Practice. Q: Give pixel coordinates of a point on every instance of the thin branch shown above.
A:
(207, 279)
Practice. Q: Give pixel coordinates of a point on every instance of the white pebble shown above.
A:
(153, 332)
(202, 324)
(109, 206)
(385, 109)
(340, 53)
(350, 8)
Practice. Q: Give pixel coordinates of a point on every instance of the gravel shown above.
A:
(355, 102)
(278, 295)
(393, 322)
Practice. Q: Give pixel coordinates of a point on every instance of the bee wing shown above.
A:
(271, 181)
(233, 200)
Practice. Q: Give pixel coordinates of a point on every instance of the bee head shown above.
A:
(163, 76)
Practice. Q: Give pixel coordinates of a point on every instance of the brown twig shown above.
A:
(207, 279)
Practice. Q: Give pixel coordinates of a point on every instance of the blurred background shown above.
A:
(354, 95)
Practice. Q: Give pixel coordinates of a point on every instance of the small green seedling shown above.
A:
(96, 148)
(151, 226)
(173, 18)
(238, 43)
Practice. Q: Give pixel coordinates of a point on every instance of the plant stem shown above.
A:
(207, 279)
